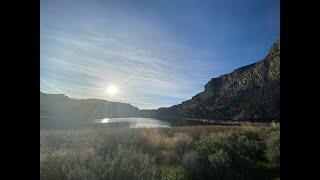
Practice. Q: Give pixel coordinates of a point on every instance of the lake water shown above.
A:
(150, 122)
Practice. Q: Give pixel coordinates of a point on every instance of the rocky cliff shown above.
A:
(251, 92)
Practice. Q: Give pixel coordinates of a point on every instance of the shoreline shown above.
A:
(220, 122)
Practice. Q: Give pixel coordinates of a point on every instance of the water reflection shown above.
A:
(136, 122)
(105, 120)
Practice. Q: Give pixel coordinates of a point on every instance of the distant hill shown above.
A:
(251, 93)
(58, 110)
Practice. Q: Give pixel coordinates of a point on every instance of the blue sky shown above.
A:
(158, 53)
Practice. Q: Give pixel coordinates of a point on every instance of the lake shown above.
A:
(136, 122)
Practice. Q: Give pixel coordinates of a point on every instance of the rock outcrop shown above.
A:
(251, 93)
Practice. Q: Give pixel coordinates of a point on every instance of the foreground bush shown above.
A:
(273, 146)
(172, 173)
(191, 163)
(124, 163)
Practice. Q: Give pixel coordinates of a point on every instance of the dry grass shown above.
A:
(84, 141)
(167, 137)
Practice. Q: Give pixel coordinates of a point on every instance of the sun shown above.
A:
(112, 90)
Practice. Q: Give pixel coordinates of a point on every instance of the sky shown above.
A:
(157, 53)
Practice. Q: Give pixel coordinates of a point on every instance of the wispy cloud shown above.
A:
(84, 65)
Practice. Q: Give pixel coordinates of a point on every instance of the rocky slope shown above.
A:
(251, 92)
(57, 110)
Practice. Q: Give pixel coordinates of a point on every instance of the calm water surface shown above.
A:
(136, 122)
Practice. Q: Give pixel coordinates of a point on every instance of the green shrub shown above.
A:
(220, 163)
(110, 140)
(168, 157)
(183, 145)
(124, 163)
(57, 166)
(220, 160)
(79, 173)
(191, 163)
(249, 144)
(172, 173)
(273, 146)
(129, 164)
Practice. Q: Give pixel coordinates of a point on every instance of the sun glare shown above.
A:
(112, 90)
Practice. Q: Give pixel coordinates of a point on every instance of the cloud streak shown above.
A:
(88, 66)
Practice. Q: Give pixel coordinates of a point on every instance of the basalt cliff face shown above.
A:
(251, 93)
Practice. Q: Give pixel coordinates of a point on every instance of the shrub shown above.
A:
(220, 160)
(191, 163)
(167, 157)
(212, 144)
(273, 146)
(172, 173)
(129, 164)
(108, 141)
(182, 146)
(196, 133)
(220, 163)
(79, 173)
(249, 144)
(124, 163)
(57, 166)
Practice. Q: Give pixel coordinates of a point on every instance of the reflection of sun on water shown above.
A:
(105, 120)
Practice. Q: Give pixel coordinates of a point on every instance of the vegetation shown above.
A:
(197, 152)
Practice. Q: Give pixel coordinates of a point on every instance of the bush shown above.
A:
(172, 173)
(229, 156)
(249, 145)
(124, 163)
(79, 173)
(220, 160)
(182, 146)
(129, 164)
(191, 163)
(212, 144)
(57, 166)
(167, 157)
(273, 146)
(108, 141)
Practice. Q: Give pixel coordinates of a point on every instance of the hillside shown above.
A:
(58, 110)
